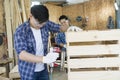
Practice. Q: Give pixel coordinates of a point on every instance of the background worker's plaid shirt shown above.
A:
(60, 38)
(24, 40)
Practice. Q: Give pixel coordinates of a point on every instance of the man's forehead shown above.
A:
(63, 20)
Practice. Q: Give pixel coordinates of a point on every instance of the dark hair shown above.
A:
(63, 17)
(40, 12)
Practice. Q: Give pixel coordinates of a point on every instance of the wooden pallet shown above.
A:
(97, 61)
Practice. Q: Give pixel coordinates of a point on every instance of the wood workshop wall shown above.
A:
(95, 11)
(54, 12)
(3, 47)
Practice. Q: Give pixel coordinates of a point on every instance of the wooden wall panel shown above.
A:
(97, 12)
(3, 49)
(104, 10)
(54, 12)
(90, 12)
(72, 12)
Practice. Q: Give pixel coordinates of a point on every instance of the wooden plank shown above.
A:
(18, 11)
(3, 78)
(94, 62)
(93, 50)
(95, 75)
(11, 11)
(14, 73)
(5, 61)
(23, 10)
(27, 7)
(14, 19)
(8, 28)
(2, 70)
(93, 35)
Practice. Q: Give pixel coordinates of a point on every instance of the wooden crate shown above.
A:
(97, 61)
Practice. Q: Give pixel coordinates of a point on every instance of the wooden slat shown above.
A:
(8, 28)
(23, 10)
(18, 15)
(93, 35)
(93, 50)
(94, 62)
(3, 78)
(2, 70)
(27, 5)
(95, 75)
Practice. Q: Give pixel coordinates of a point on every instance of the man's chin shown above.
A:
(37, 27)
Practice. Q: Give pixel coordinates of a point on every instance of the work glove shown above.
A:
(50, 57)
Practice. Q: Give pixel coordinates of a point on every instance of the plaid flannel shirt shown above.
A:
(60, 38)
(24, 40)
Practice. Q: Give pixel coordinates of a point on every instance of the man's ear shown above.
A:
(30, 15)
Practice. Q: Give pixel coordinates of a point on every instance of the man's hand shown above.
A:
(50, 57)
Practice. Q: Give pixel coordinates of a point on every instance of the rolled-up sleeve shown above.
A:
(19, 42)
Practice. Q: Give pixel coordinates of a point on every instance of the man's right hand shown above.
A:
(50, 57)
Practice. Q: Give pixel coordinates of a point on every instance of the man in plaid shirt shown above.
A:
(60, 38)
(31, 41)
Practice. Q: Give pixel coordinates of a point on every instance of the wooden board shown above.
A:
(93, 35)
(3, 78)
(2, 70)
(8, 28)
(93, 50)
(14, 73)
(94, 62)
(95, 75)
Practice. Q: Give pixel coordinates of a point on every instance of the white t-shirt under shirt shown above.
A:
(39, 48)
(74, 29)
